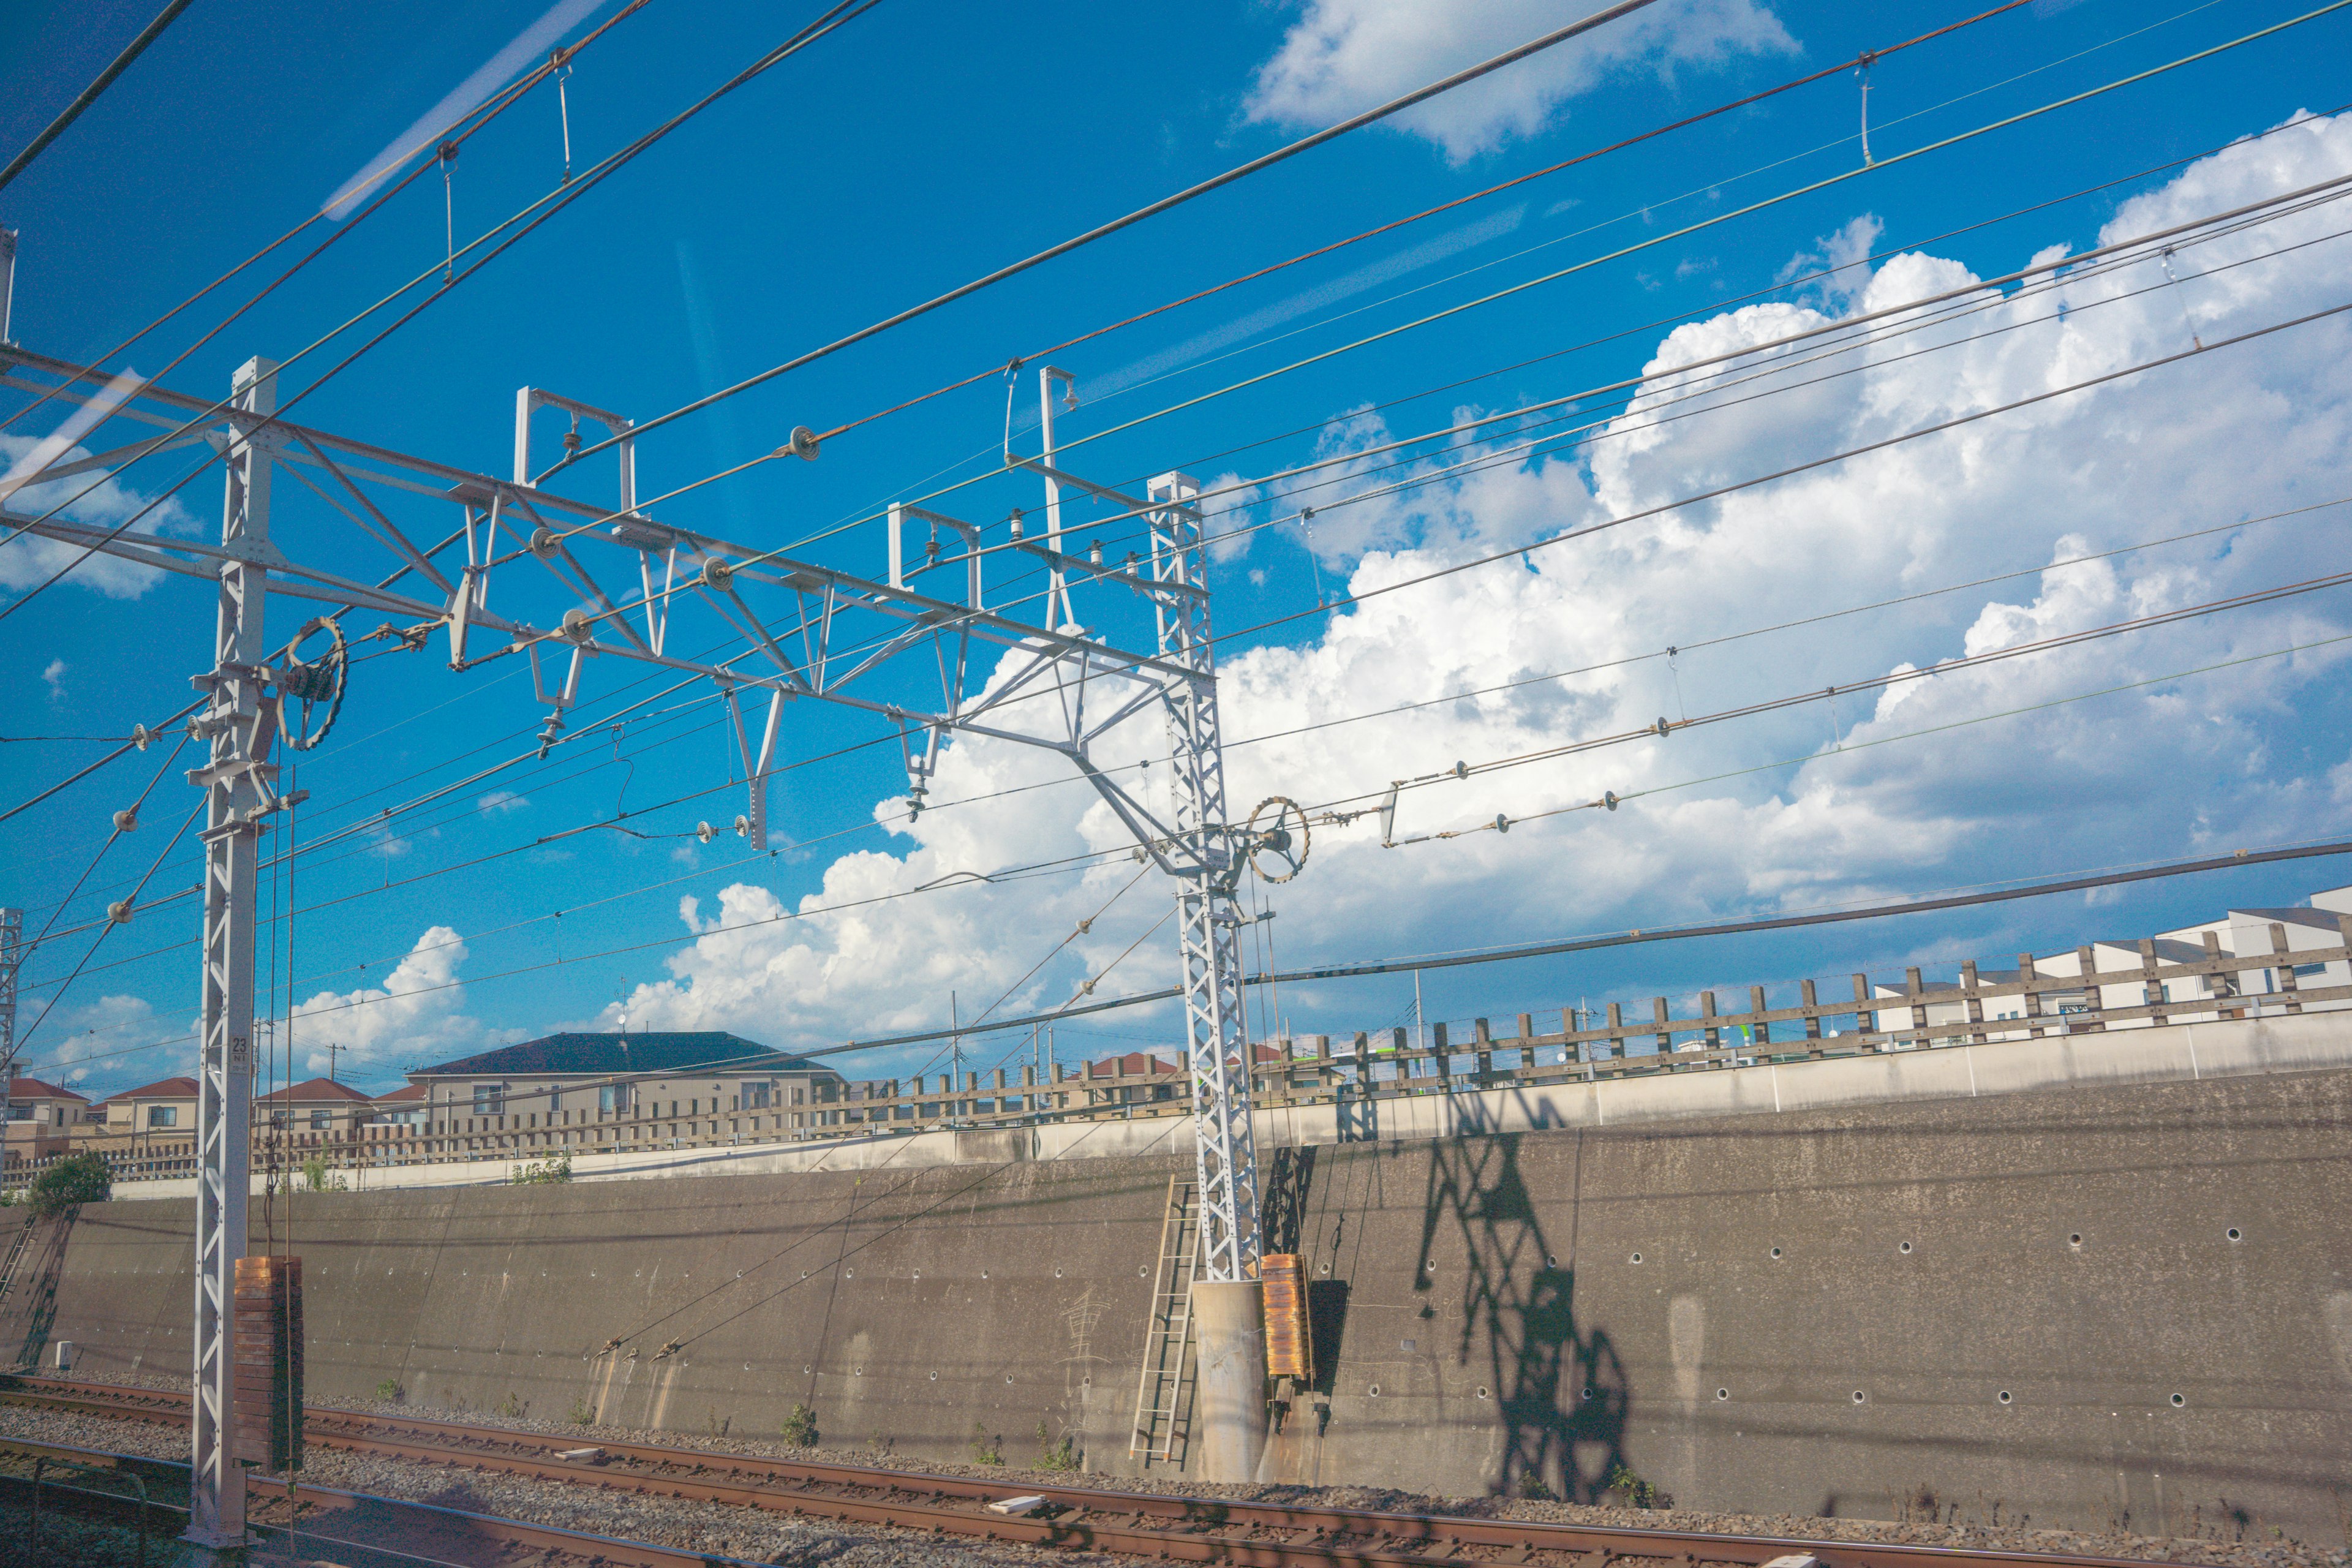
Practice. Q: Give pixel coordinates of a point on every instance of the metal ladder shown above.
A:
(16, 1258)
(1163, 1391)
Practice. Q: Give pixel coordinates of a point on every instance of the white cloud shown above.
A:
(53, 675)
(1342, 56)
(109, 503)
(502, 803)
(2164, 766)
(415, 1016)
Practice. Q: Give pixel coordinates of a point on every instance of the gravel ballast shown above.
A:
(741, 1532)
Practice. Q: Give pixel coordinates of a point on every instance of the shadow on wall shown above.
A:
(1559, 1394)
(31, 1289)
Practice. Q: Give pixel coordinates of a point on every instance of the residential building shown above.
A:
(41, 1119)
(149, 1131)
(590, 1092)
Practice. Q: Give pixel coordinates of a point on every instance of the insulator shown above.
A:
(126, 819)
(1662, 724)
(716, 574)
(803, 443)
(119, 911)
(1094, 553)
(578, 625)
(705, 832)
(742, 826)
(1609, 799)
(1014, 522)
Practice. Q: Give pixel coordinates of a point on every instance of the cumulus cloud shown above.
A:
(2154, 743)
(109, 503)
(415, 1016)
(1342, 56)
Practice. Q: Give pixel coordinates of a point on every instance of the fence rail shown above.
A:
(1980, 1009)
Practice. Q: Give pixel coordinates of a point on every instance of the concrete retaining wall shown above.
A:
(1817, 1310)
(2174, 1053)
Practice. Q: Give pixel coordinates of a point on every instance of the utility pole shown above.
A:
(241, 727)
(815, 631)
(12, 954)
(334, 1049)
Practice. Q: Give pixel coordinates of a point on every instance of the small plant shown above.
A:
(717, 1425)
(77, 1179)
(1637, 1491)
(985, 1450)
(511, 1407)
(390, 1391)
(800, 1428)
(583, 1413)
(1531, 1487)
(555, 1169)
(317, 1177)
(1054, 1456)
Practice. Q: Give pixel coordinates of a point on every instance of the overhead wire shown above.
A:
(554, 202)
(458, 130)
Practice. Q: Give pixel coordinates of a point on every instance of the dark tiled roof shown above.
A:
(649, 1052)
(2324, 920)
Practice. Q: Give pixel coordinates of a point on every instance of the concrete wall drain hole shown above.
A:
(1551, 1260)
(1904, 1248)
(1590, 1393)
(2177, 1400)
(1008, 1377)
(1057, 1273)
(1430, 1266)
(1776, 1252)
(935, 1377)
(1374, 1391)
(812, 1371)
(1723, 1394)
(2075, 1240)
(1140, 1271)
(1857, 1396)
(2004, 1397)
(1327, 1268)
(2236, 1235)
(1484, 1393)
(1637, 1258)
(849, 1274)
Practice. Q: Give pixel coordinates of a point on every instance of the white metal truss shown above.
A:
(241, 727)
(929, 662)
(12, 954)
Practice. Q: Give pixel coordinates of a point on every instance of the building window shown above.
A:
(489, 1099)
(162, 1116)
(322, 1118)
(755, 1096)
(2309, 971)
(612, 1097)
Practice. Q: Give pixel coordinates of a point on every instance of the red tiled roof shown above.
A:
(317, 1089)
(405, 1091)
(161, 1089)
(34, 1089)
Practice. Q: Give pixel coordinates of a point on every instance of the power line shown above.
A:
(553, 203)
(89, 95)
(1394, 106)
(1394, 224)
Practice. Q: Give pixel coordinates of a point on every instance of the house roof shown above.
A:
(405, 1091)
(614, 1053)
(161, 1089)
(317, 1089)
(34, 1089)
(2322, 919)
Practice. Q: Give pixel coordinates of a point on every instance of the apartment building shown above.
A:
(42, 1119)
(590, 1092)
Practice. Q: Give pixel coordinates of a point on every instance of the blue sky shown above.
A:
(924, 144)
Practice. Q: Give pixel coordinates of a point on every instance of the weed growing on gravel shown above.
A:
(800, 1428)
(511, 1407)
(1053, 1455)
(583, 1413)
(985, 1450)
(1637, 1491)
(1531, 1487)
(390, 1391)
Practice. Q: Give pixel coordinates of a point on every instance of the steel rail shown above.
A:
(1151, 1525)
(365, 1518)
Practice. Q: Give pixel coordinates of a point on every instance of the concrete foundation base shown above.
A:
(1229, 1328)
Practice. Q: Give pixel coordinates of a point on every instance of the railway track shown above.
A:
(1150, 1525)
(359, 1529)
